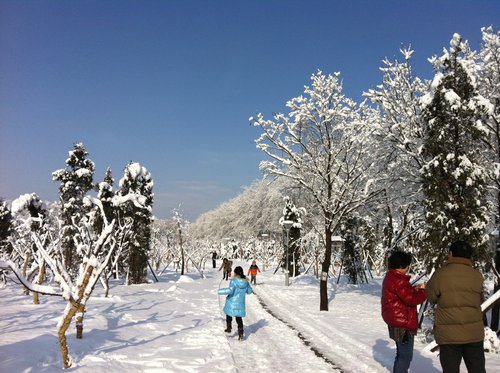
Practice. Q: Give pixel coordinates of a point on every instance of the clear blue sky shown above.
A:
(171, 84)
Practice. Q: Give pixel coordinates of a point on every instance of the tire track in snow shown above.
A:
(301, 336)
(272, 345)
(315, 334)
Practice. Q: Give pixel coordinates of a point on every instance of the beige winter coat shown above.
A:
(457, 290)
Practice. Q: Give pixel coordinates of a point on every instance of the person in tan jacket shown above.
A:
(457, 290)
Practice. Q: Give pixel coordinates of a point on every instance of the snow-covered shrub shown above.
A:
(491, 341)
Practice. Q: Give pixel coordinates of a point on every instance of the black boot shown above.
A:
(228, 328)
(240, 334)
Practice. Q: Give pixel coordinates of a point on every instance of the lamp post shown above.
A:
(288, 225)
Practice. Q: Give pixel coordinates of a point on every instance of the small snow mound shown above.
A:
(185, 279)
(305, 280)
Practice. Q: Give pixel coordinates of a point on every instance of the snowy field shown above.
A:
(176, 325)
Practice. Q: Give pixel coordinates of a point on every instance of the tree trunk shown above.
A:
(323, 285)
(62, 335)
(106, 283)
(182, 248)
(79, 321)
(495, 311)
(41, 278)
(25, 268)
(80, 307)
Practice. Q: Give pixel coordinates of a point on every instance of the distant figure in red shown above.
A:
(252, 271)
(399, 308)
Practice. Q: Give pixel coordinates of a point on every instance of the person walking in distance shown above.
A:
(457, 290)
(399, 308)
(252, 271)
(226, 268)
(235, 301)
(214, 258)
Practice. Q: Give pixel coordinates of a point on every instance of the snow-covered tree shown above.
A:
(162, 239)
(76, 181)
(256, 209)
(105, 195)
(397, 141)
(321, 144)
(96, 248)
(181, 224)
(454, 178)
(31, 217)
(292, 224)
(489, 87)
(137, 181)
(5, 229)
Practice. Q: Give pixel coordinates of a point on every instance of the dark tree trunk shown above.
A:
(495, 311)
(323, 285)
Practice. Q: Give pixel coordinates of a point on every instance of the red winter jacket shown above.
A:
(400, 300)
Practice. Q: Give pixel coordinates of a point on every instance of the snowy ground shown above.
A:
(176, 325)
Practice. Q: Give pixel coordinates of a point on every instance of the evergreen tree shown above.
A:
(489, 77)
(454, 179)
(76, 181)
(31, 219)
(137, 182)
(5, 228)
(105, 194)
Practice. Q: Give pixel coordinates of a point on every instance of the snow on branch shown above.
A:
(42, 289)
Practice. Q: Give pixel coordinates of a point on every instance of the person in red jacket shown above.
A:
(399, 308)
(252, 271)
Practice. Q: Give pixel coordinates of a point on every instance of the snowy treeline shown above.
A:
(82, 239)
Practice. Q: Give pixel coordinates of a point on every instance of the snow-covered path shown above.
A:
(339, 345)
(271, 346)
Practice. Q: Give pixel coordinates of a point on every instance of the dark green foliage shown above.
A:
(5, 228)
(453, 180)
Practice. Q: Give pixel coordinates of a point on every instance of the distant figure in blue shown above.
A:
(238, 288)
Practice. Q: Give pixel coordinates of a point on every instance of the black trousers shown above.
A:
(451, 356)
(239, 321)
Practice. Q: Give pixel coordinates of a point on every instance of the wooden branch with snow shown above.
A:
(42, 289)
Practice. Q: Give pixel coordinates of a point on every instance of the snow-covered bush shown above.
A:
(491, 341)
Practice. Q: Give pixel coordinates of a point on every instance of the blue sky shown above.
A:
(171, 84)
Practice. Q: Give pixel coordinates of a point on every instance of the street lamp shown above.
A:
(287, 224)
